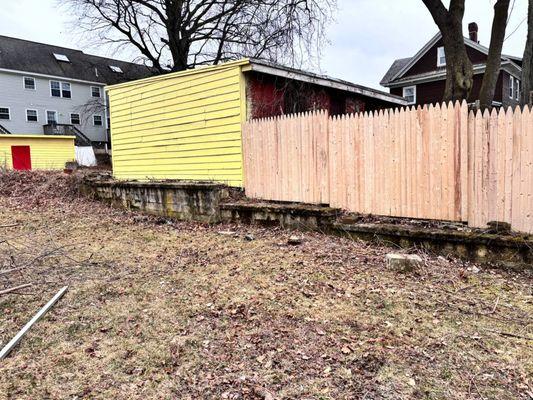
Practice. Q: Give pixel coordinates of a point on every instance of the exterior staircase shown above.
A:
(4, 131)
(67, 130)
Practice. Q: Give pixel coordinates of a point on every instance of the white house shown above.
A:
(47, 89)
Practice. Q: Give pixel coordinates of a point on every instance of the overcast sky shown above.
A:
(366, 38)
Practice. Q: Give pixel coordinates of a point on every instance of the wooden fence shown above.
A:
(438, 162)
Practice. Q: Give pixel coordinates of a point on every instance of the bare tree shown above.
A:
(527, 63)
(494, 59)
(179, 34)
(459, 68)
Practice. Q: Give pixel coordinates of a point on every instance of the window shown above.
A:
(409, 93)
(61, 57)
(441, 57)
(60, 89)
(55, 88)
(511, 87)
(29, 83)
(97, 120)
(75, 119)
(95, 91)
(4, 113)
(51, 117)
(116, 69)
(65, 90)
(32, 116)
(517, 89)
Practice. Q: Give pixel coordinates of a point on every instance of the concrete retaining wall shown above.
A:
(208, 203)
(185, 201)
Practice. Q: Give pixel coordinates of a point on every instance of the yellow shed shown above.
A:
(187, 125)
(26, 152)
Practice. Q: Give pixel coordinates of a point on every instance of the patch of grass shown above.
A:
(179, 311)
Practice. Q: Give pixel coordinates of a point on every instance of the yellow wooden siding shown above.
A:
(186, 125)
(47, 152)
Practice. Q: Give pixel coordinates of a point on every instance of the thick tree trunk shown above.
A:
(459, 70)
(494, 60)
(178, 37)
(527, 65)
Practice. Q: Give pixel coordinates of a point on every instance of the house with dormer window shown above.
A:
(421, 79)
(47, 89)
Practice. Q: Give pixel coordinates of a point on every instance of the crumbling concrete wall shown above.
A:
(185, 201)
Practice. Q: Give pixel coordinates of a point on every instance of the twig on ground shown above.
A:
(509, 334)
(9, 225)
(473, 382)
(15, 288)
(8, 271)
(495, 305)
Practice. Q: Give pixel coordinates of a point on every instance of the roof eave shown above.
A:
(152, 79)
(290, 73)
(417, 56)
(506, 65)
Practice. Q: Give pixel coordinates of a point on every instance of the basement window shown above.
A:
(441, 57)
(61, 57)
(116, 69)
(409, 93)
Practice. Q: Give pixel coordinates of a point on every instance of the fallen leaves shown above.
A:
(178, 310)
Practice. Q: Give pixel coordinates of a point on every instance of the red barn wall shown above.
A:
(270, 96)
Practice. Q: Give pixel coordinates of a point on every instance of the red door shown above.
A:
(21, 157)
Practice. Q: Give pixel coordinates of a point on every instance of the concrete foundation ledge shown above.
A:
(512, 250)
(291, 216)
(210, 202)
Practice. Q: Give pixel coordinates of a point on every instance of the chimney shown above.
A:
(473, 30)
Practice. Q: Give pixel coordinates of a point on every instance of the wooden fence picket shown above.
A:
(434, 162)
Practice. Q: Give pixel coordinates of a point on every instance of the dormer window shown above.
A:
(61, 57)
(441, 57)
(116, 69)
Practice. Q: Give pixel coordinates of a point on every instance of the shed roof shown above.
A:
(27, 56)
(279, 70)
(324, 80)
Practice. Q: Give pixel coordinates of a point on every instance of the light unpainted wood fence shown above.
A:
(434, 162)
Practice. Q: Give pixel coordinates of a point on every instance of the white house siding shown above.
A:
(14, 96)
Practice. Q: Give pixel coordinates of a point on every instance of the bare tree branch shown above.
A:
(459, 69)
(179, 34)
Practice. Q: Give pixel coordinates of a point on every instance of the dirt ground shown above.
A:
(166, 310)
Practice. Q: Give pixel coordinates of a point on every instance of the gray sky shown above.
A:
(367, 36)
